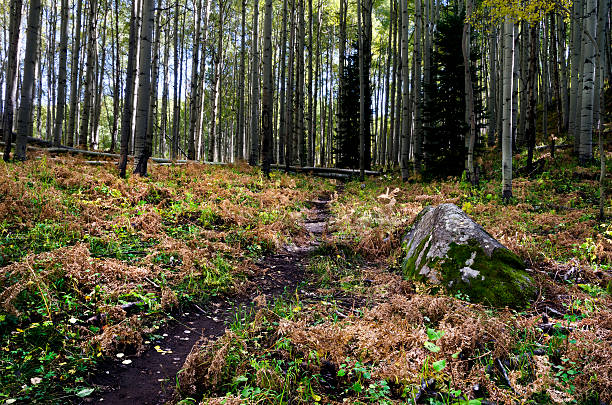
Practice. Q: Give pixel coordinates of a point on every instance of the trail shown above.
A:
(150, 379)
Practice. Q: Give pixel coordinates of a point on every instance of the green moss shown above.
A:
(410, 266)
(502, 280)
(505, 281)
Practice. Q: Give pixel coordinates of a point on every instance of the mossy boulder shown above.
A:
(446, 247)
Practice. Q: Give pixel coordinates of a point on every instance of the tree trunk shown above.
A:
(117, 83)
(254, 153)
(300, 86)
(266, 108)
(241, 112)
(469, 99)
(406, 119)
(362, 92)
(391, 147)
(290, 86)
(576, 72)
(152, 116)
(507, 111)
(585, 150)
(128, 105)
(418, 124)
(29, 66)
(310, 135)
(531, 95)
(556, 84)
(89, 75)
(12, 68)
(142, 133)
(492, 105)
(214, 116)
(385, 128)
(193, 107)
(74, 75)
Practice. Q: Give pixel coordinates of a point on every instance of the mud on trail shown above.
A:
(150, 378)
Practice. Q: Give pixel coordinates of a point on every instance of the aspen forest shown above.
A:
(305, 202)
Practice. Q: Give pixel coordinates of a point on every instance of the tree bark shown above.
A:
(12, 68)
(576, 72)
(492, 105)
(507, 110)
(289, 110)
(74, 75)
(193, 107)
(405, 160)
(585, 150)
(25, 108)
(266, 108)
(301, 133)
(418, 122)
(469, 98)
(214, 139)
(141, 151)
(254, 153)
(89, 75)
(128, 105)
(241, 112)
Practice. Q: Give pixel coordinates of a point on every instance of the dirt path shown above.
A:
(151, 378)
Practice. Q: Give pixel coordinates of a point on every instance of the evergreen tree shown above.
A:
(347, 133)
(444, 115)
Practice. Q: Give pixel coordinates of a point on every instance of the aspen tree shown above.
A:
(29, 64)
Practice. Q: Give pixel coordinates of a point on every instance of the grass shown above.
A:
(77, 242)
(362, 334)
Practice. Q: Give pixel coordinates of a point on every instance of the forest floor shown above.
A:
(151, 378)
(96, 270)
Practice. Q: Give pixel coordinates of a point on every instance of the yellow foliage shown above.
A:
(531, 11)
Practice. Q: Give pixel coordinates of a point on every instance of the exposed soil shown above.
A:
(150, 378)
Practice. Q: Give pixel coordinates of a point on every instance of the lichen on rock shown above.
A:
(446, 247)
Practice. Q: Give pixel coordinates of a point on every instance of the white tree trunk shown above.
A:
(144, 88)
(576, 71)
(254, 154)
(29, 65)
(405, 164)
(585, 150)
(507, 110)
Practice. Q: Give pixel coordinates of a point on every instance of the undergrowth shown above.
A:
(362, 334)
(90, 264)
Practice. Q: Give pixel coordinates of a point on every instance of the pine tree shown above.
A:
(444, 150)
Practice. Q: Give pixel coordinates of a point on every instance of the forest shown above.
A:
(305, 202)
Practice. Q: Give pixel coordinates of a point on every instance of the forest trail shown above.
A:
(150, 378)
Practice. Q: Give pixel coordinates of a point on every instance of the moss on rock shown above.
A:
(499, 280)
(445, 247)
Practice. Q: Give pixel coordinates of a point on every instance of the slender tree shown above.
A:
(128, 105)
(241, 113)
(27, 87)
(266, 108)
(507, 110)
(74, 75)
(254, 153)
(141, 148)
(12, 67)
(193, 107)
(61, 85)
(89, 74)
(405, 164)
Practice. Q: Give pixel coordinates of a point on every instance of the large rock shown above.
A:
(445, 246)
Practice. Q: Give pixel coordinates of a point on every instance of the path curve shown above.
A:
(150, 379)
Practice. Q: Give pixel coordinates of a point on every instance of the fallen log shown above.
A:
(335, 170)
(562, 146)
